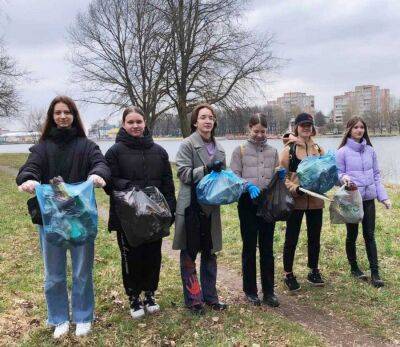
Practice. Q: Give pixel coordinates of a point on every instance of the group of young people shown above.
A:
(136, 161)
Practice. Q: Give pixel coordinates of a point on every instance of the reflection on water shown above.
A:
(386, 148)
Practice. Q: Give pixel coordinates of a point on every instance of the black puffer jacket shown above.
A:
(138, 162)
(64, 154)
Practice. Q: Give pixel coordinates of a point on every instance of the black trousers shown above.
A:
(140, 265)
(293, 226)
(252, 228)
(368, 228)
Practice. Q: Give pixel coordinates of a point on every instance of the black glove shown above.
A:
(215, 166)
(298, 191)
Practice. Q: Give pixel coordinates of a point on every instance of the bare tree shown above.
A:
(213, 58)
(9, 76)
(34, 119)
(119, 52)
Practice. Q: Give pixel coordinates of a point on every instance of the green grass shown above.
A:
(23, 311)
(375, 310)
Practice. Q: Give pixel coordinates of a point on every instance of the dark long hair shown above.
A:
(258, 118)
(49, 122)
(195, 115)
(350, 124)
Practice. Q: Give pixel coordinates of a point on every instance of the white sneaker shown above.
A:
(82, 329)
(150, 303)
(136, 310)
(60, 330)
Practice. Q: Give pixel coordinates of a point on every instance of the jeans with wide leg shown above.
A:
(55, 283)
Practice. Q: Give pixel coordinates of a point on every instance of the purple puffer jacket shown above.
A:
(358, 161)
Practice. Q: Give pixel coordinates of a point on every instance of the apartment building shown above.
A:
(365, 98)
(295, 100)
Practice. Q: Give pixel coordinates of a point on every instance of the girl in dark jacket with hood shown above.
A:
(64, 150)
(136, 161)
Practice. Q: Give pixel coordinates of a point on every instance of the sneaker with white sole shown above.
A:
(60, 330)
(136, 306)
(150, 303)
(83, 329)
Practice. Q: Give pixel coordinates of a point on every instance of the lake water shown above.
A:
(387, 149)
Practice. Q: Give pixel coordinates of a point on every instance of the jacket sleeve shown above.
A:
(341, 163)
(380, 190)
(116, 182)
(33, 168)
(184, 164)
(236, 162)
(98, 164)
(284, 162)
(167, 183)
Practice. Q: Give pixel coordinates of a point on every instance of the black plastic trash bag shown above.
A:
(144, 214)
(346, 207)
(276, 203)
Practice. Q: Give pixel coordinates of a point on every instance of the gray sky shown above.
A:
(331, 46)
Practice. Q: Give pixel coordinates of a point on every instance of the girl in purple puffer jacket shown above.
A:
(358, 165)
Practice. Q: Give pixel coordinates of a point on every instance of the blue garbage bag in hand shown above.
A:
(220, 188)
(318, 173)
(69, 212)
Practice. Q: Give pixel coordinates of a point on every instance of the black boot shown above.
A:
(271, 300)
(357, 273)
(376, 280)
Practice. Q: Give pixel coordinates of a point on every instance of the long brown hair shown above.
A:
(195, 115)
(350, 124)
(49, 122)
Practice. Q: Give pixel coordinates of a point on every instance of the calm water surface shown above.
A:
(387, 149)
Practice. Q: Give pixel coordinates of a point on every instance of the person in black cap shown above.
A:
(298, 146)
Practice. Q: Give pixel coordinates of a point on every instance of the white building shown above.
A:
(295, 100)
(365, 98)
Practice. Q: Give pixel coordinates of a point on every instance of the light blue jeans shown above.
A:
(55, 283)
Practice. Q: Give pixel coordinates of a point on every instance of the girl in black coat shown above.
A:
(136, 161)
(64, 150)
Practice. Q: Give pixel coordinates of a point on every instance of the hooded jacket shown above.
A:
(64, 154)
(138, 162)
(359, 162)
(304, 201)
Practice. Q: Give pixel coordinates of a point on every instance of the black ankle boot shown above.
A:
(357, 273)
(376, 280)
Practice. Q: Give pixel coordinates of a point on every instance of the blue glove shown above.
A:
(253, 190)
(281, 173)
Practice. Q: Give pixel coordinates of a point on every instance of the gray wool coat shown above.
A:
(192, 155)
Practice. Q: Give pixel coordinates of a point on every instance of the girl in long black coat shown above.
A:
(136, 161)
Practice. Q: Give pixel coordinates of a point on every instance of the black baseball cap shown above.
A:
(304, 118)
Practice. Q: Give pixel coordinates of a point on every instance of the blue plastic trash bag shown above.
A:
(318, 173)
(69, 212)
(346, 207)
(220, 188)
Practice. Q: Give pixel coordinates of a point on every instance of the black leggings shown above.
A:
(368, 228)
(140, 265)
(252, 228)
(293, 226)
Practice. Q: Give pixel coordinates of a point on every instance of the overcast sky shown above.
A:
(329, 46)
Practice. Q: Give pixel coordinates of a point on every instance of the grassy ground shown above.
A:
(377, 311)
(22, 307)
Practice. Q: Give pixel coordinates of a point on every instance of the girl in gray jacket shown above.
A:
(198, 155)
(255, 161)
